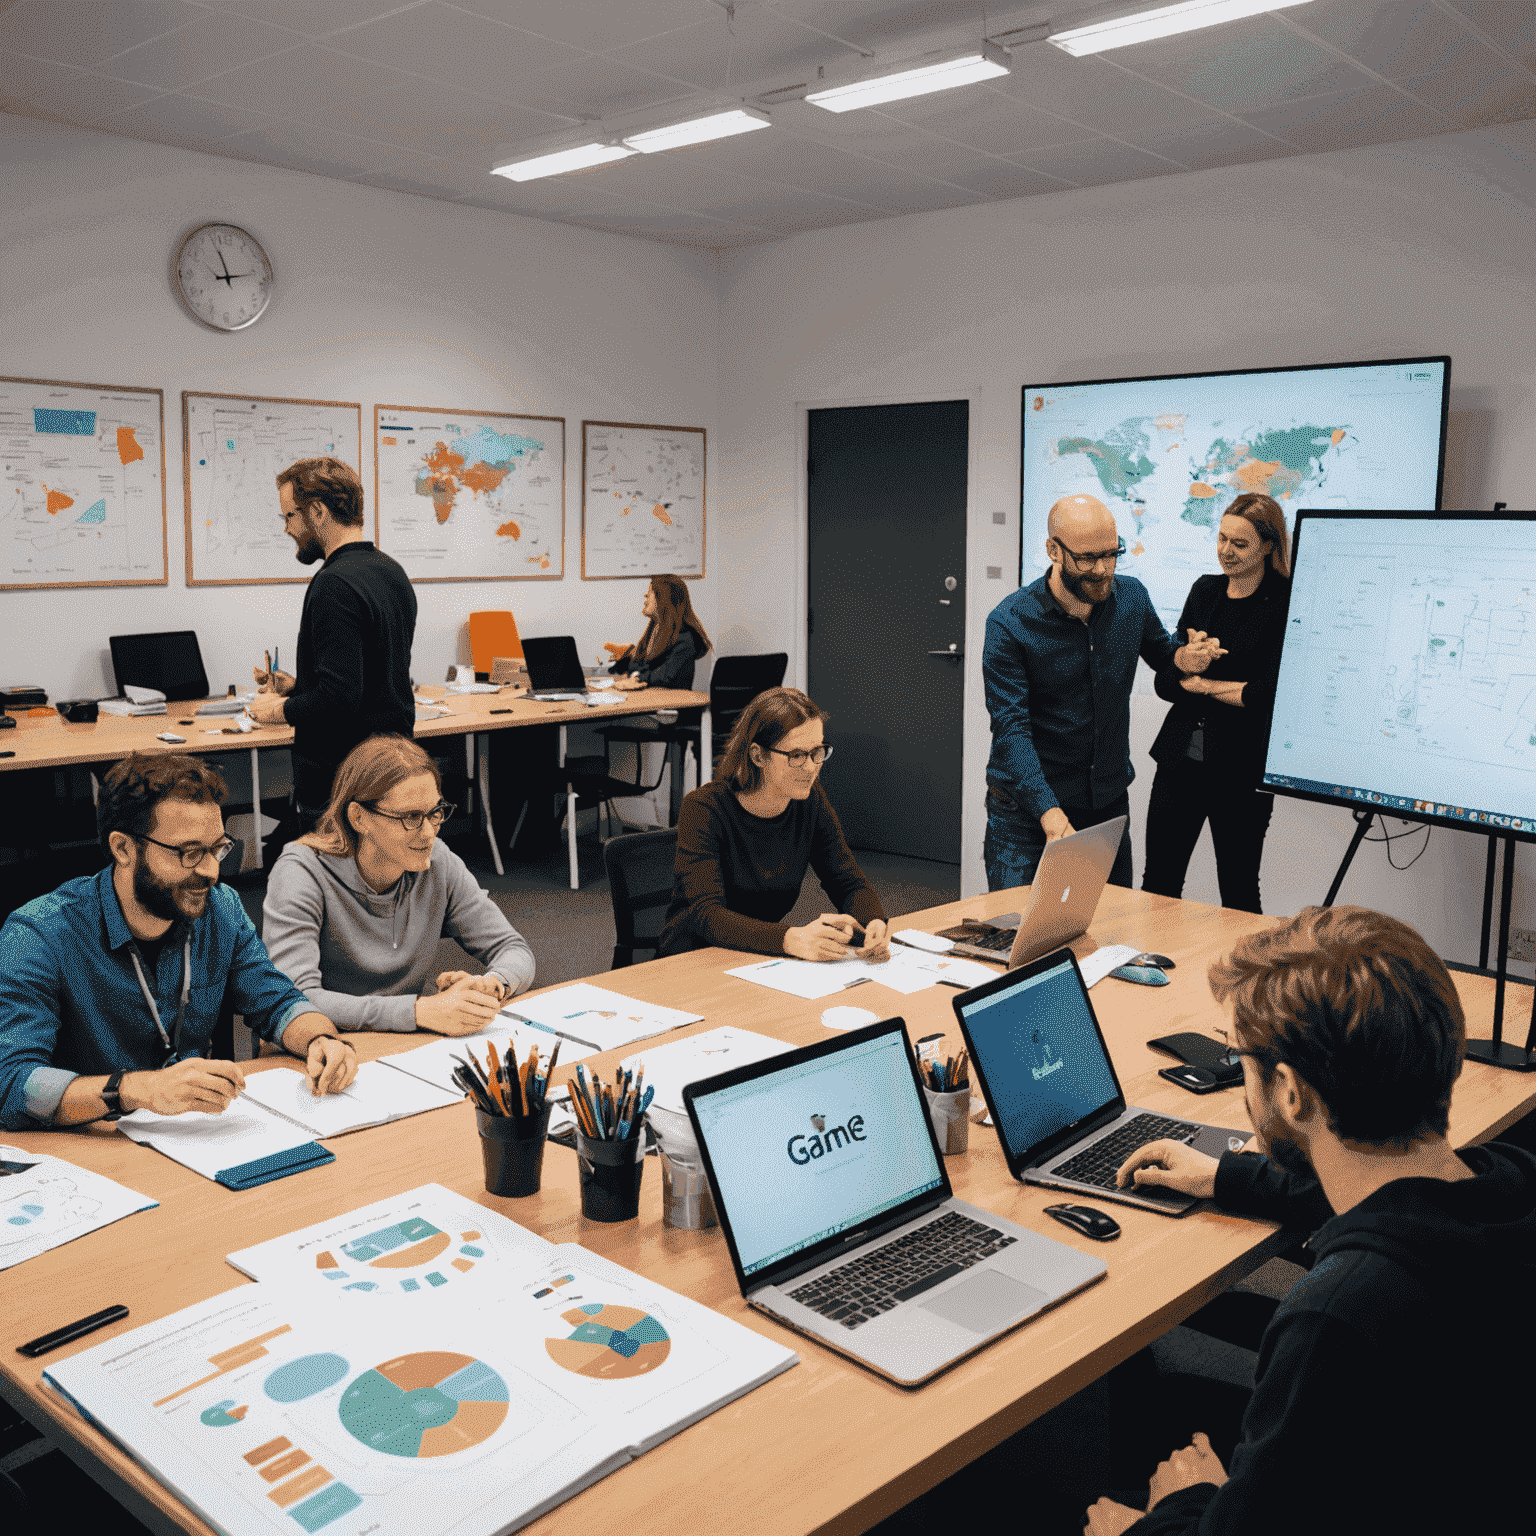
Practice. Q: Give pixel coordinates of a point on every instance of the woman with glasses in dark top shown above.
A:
(355, 911)
(1210, 750)
(746, 839)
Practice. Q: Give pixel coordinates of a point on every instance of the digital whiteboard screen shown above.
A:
(1167, 455)
(1408, 676)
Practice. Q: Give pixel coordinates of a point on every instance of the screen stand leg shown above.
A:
(1494, 1052)
(1363, 820)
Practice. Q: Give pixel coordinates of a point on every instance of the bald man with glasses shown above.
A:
(1059, 664)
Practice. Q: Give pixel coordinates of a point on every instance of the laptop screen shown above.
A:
(553, 663)
(1040, 1053)
(803, 1152)
(170, 661)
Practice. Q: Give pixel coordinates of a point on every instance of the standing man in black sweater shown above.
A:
(353, 672)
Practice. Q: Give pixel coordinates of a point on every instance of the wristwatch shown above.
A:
(109, 1096)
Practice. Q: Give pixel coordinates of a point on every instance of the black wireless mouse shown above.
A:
(1087, 1220)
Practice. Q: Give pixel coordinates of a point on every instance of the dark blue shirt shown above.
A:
(71, 1005)
(1059, 693)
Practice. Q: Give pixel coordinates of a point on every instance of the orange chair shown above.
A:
(492, 633)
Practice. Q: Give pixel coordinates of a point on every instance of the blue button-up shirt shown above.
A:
(1059, 693)
(71, 1005)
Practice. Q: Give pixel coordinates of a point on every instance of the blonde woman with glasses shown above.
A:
(358, 908)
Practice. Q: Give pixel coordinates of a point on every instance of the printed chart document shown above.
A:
(434, 1062)
(376, 1096)
(470, 1408)
(670, 1068)
(595, 1017)
(906, 972)
(46, 1202)
(245, 1146)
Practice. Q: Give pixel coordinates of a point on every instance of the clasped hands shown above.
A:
(831, 937)
(273, 687)
(463, 1004)
(1196, 1463)
(1198, 652)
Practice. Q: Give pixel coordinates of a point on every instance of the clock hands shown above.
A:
(228, 276)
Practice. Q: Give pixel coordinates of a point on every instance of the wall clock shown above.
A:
(222, 277)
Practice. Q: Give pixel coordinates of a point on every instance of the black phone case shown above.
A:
(1191, 1078)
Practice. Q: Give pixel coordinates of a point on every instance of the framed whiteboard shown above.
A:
(83, 485)
(233, 447)
(642, 500)
(469, 495)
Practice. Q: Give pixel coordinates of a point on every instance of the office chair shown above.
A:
(640, 880)
(492, 633)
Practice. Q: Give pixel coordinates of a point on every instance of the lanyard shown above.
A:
(172, 1042)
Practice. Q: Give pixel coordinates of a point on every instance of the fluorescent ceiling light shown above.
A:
(562, 160)
(1166, 21)
(698, 130)
(990, 62)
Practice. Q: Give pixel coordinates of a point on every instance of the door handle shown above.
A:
(953, 653)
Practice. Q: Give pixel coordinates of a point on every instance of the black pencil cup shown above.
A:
(610, 1177)
(513, 1151)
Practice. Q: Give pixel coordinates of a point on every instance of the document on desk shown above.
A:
(670, 1068)
(245, 1146)
(906, 972)
(46, 1202)
(582, 1014)
(376, 1096)
(434, 1062)
(461, 1408)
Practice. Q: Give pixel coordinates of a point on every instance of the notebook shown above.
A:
(1040, 1058)
(554, 669)
(840, 1218)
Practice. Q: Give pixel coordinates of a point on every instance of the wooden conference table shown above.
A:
(53, 742)
(825, 1447)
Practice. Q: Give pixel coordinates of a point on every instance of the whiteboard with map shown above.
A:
(233, 448)
(470, 495)
(83, 469)
(642, 500)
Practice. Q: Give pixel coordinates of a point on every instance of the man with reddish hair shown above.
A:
(1389, 1379)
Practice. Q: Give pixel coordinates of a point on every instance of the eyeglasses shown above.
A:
(817, 755)
(1108, 556)
(193, 854)
(412, 820)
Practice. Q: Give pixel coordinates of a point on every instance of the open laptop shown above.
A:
(840, 1217)
(1045, 1072)
(1063, 897)
(554, 669)
(170, 662)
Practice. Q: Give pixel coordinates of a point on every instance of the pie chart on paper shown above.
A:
(428, 1404)
(609, 1343)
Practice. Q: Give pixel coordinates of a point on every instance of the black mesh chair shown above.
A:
(640, 881)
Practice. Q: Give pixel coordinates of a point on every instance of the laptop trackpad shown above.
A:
(986, 1301)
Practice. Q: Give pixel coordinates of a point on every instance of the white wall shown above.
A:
(380, 297)
(1406, 249)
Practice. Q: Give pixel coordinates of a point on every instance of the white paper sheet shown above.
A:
(46, 1202)
(596, 1017)
(670, 1068)
(210, 1144)
(906, 972)
(1101, 962)
(376, 1096)
(434, 1063)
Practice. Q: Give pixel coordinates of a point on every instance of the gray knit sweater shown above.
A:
(363, 957)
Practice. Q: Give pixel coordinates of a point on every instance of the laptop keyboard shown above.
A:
(1099, 1163)
(855, 1293)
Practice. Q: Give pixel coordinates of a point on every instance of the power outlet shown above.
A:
(1522, 944)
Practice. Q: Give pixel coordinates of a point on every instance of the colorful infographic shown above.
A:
(428, 1404)
(609, 1343)
(413, 1244)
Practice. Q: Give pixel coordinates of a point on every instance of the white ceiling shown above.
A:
(424, 96)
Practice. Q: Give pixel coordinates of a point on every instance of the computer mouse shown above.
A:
(1087, 1220)
(1142, 975)
(1147, 957)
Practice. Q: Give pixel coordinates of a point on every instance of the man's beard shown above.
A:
(1279, 1146)
(1076, 585)
(309, 547)
(159, 897)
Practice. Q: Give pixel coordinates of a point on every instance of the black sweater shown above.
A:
(1252, 629)
(672, 669)
(1393, 1384)
(353, 673)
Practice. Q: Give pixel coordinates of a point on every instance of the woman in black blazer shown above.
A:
(1210, 750)
(673, 640)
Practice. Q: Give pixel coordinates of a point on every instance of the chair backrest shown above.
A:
(492, 633)
(639, 880)
(736, 681)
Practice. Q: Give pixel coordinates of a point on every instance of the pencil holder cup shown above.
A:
(610, 1176)
(951, 1116)
(513, 1151)
(686, 1199)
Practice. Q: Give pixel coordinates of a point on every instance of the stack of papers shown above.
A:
(595, 1017)
(906, 972)
(127, 707)
(46, 1202)
(245, 1146)
(376, 1096)
(434, 1063)
(670, 1068)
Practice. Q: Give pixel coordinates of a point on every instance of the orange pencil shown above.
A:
(494, 1077)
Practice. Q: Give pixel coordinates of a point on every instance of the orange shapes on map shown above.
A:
(129, 449)
(542, 561)
(442, 493)
(509, 530)
(1256, 474)
(661, 515)
(1139, 549)
(1338, 436)
(389, 442)
(1200, 488)
(417, 1253)
(481, 476)
(57, 501)
(326, 1260)
(626, 511)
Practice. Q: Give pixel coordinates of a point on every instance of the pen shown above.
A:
(72, 1331)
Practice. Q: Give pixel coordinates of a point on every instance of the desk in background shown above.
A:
(827, 1446)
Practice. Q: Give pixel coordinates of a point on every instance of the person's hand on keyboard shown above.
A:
(1169, 1165)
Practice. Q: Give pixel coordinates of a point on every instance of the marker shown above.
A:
(72, 1331)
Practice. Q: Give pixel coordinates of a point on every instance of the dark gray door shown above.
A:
(887, 591)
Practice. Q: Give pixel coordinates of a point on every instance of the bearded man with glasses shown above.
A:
(110, 986)
(1058, 667)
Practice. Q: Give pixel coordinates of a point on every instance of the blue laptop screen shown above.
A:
(1041, 1056)
(812, 1150)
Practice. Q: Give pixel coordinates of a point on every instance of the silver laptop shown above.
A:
(1063, 897)
(840, 1217)
(1039, 1055)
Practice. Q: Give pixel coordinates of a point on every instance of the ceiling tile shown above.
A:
(23, 77)
(1097, 163)
(593, 87)
(86, 31)
(294, 82)
(989, 120)
(1122, 102)
(802, 162)
(205, 47)
(1511, 25)
(1045, 77)
(314, 18)
(79, 96)
(767, 51)
(182, 121)
(430, 119)
(305, 147)
(1398, 37)
(1479, 88)
(1378, 115)
(469, 52)
(595, 24)
(1219, 141)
